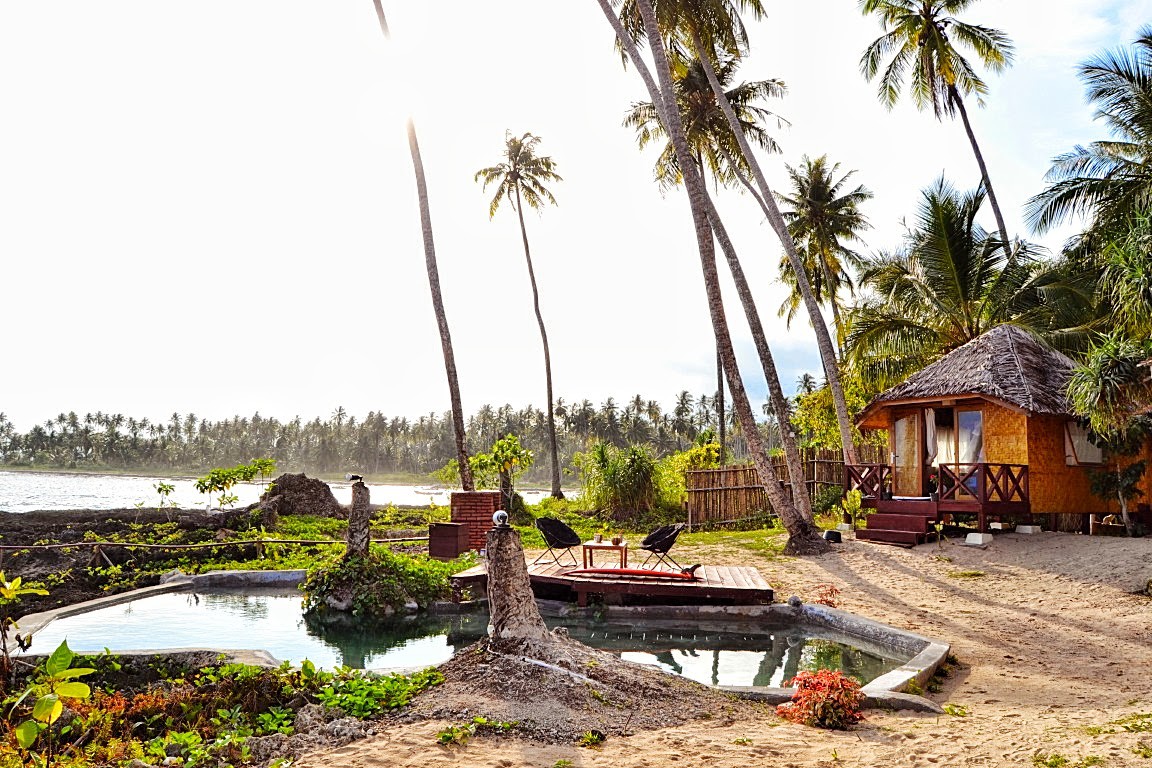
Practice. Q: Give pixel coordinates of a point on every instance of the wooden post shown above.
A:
(511, 604)
(359, 521)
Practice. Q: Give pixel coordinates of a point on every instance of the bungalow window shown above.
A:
(1078, 449)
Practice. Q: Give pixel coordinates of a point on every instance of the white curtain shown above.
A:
(930, 448)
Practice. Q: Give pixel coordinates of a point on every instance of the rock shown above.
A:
(411, 606)
(795, 601)
(174, 575)
(138, 763)
(300, 495)
(172, 761)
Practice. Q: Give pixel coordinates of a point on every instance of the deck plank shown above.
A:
(741, 583)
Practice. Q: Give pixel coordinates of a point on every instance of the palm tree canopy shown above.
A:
(919, 35)
(521, 176)
(1108, 180)
(709, 134)
(822, 216)
(717, 22)
(950, 283)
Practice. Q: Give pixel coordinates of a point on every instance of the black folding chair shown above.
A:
(659, 542)
(557, 536)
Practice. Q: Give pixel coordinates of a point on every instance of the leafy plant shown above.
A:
(591, 739)
(376, 585)
(55, 681)
(455, 734)
(10, 593)
(956, 710)
(362, 695)
(966, 574)
(824, 699)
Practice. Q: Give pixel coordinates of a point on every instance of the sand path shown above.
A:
(1052, 639)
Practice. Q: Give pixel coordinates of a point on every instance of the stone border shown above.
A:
(885, 692)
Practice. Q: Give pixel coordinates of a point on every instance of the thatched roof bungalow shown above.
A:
(984, 431)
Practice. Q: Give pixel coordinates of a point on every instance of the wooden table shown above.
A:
(590, 548)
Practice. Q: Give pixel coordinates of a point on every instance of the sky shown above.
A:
(210, 207)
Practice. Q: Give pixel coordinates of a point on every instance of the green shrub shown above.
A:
(827, 499)
(382, 582)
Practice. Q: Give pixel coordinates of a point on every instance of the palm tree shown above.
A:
(920, 35)
(1109, 181)
(803, 535)
(950, 283)
(712, 29)
(520, 180)
(466, 481)
(714, 147)
(822, 216)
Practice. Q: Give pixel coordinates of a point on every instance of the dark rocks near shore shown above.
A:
(300, 495)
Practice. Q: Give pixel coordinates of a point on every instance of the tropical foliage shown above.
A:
(949, 283)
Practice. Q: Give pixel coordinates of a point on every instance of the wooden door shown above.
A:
(906, 474)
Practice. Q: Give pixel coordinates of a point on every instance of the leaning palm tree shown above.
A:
(803, 537)
(466, 481)
(921, 36)
(520, 179)
(1108, 181)
(822, 217)
(950, 283)
(715, 148)
(710, 30)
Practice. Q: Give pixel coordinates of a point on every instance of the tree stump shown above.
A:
(511, 604)
(359, 522)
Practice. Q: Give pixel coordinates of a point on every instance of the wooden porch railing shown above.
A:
(869, 479)
(983, 482)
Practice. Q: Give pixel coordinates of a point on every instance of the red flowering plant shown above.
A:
(824, 699)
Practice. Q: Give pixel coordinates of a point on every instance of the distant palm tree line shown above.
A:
(375, 444)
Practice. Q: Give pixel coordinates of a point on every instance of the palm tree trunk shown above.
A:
(800, 541)
(553, 450)
(466, 481)
(772, 211)
(959, 102)
(720, 402)
(792, 460)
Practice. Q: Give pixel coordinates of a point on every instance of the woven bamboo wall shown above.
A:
(736, 493)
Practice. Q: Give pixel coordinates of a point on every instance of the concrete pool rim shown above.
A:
(885, 692)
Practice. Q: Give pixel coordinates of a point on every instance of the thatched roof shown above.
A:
(1004, 364)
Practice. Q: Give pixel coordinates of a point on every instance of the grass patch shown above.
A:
(966, 574)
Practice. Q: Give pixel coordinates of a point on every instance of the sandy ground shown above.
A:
(1053, 639)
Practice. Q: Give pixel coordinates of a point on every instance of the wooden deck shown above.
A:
(740, 585)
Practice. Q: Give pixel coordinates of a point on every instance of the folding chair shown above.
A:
(659, 542)
(557, 536)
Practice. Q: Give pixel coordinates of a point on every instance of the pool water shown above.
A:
(273, 621)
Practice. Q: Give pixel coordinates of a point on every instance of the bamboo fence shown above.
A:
(736, 494)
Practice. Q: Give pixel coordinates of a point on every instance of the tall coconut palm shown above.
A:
(466, 481)
(921, 36)
(715, 148)
(822, 217)
(520, 179)
(712, 29)
(1109, 181)
(949, 284)
(803, 535)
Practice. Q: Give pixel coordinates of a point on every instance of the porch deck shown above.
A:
(739, 585)
(983, 490)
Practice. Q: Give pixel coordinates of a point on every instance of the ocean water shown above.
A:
(32, 491)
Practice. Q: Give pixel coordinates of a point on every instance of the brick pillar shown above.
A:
(475, 509)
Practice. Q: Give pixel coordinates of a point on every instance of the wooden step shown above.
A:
(887, 522)
(883, 536)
